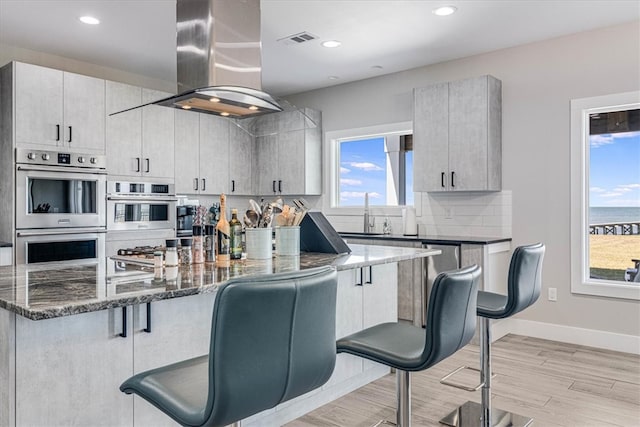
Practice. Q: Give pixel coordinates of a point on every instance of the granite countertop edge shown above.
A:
(427, 239)
(341, 262)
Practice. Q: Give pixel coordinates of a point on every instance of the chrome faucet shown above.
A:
(369, 223)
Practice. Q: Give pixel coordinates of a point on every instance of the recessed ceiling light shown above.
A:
(333, 77)
(89, 20)
(214, 99)
(331, 43)
(253, 108)
(444, 10)
(224, 113)
(186, 107)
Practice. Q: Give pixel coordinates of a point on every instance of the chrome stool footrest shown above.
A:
(470, 415)
(444, 379)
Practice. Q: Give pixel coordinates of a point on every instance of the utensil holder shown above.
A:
(288, 241)
(258, 241)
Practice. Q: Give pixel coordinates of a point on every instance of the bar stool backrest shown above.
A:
(525, 278)
(451, 315)
(272, 339)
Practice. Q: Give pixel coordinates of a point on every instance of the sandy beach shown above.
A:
(613, 252)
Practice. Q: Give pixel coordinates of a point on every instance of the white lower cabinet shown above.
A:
(68, 370)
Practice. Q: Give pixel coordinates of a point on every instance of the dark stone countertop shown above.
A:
(443, 240)
(6, 245)
(56, 289)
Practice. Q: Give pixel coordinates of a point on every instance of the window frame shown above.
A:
(581, 108)
(332, 180)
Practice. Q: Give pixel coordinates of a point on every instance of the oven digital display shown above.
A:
(64, 158)
(159, 189)
(136, 188)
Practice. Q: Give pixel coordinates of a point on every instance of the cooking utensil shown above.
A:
(253, 217)
(255, 206)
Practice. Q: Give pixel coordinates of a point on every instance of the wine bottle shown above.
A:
(223, 232)
(236, 235)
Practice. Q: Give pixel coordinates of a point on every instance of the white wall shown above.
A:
(538, 82)
(12, 53)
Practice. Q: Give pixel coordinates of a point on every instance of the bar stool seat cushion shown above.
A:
(180, 389)
(491, 305)
(398, 345)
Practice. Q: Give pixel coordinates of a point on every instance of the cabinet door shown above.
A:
(69, 370)
(84, 113)
(124, 130)
(265, 165)
(431, 138)
(187, 143)
(348, 321)
(38, 105)
(291, 170)
(380, 300)
(157, 137)
(468, 134)
(180, 330)
(240, 161)
(214, 154)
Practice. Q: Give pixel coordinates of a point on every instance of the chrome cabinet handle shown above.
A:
(453, 175)
(442, 179)
(273, 185)
(204, 184)
(233, 185)
(195, 184)
(57, 132)
(70, 130)
(138, 164)
(148, 164)
(279, 186)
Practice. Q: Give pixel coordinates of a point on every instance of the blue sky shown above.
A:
(614, 174)
(363, 170)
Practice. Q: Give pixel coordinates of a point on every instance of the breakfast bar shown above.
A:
(70, 333)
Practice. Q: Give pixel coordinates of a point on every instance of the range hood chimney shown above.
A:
(219, 60)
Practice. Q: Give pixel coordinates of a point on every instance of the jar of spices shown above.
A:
(186, 255)
(171, 256)
(198, 245)
(157, 259)
(209, 243)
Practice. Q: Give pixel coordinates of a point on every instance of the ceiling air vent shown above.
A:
(298, 38)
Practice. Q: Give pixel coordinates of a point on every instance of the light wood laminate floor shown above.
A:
(555, 383)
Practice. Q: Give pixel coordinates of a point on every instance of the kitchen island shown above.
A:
(70, 333)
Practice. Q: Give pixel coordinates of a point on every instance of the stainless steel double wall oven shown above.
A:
(60, 206)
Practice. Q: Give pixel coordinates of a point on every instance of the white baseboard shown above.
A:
(568, 334)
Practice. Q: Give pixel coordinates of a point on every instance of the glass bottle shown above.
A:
(186, 253)
(209, 245)
(223, 232)
(236, 235)
(171, 256)
(198, 245)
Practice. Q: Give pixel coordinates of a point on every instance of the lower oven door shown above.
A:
(126, 214)
(59, 245)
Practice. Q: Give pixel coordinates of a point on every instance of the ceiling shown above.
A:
(378, 37)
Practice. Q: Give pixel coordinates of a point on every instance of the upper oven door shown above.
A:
(141, 213)
(54, 197)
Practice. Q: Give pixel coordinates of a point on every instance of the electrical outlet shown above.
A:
(553, 294)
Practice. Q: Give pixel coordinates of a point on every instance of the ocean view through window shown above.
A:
(606, 196)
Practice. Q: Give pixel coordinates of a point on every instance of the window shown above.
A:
(605, 195)
(378, 164)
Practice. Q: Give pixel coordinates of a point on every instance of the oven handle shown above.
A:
(142, 198)
(58, 232)
(67, 169)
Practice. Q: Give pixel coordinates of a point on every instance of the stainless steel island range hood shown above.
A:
(219, 59)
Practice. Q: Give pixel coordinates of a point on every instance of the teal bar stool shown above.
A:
(451, 323)
(523, 288)
(272, 339)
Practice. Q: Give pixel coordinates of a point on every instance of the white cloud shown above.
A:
(624, 202)
(600, 140)
(611, 194)
(344, 195)
(597, 190)
(353, 182)
(627, 187)
(366, 166)
(344, 170)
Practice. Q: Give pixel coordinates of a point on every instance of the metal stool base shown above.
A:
(470, 414)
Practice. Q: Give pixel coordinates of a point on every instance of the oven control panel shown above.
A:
(60, 158)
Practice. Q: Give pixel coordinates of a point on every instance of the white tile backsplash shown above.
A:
(457, 214)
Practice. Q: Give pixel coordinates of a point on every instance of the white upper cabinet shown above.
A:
(59, 109)
(240, 161)
(458, 136)
(140, 142)
(288, 153)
